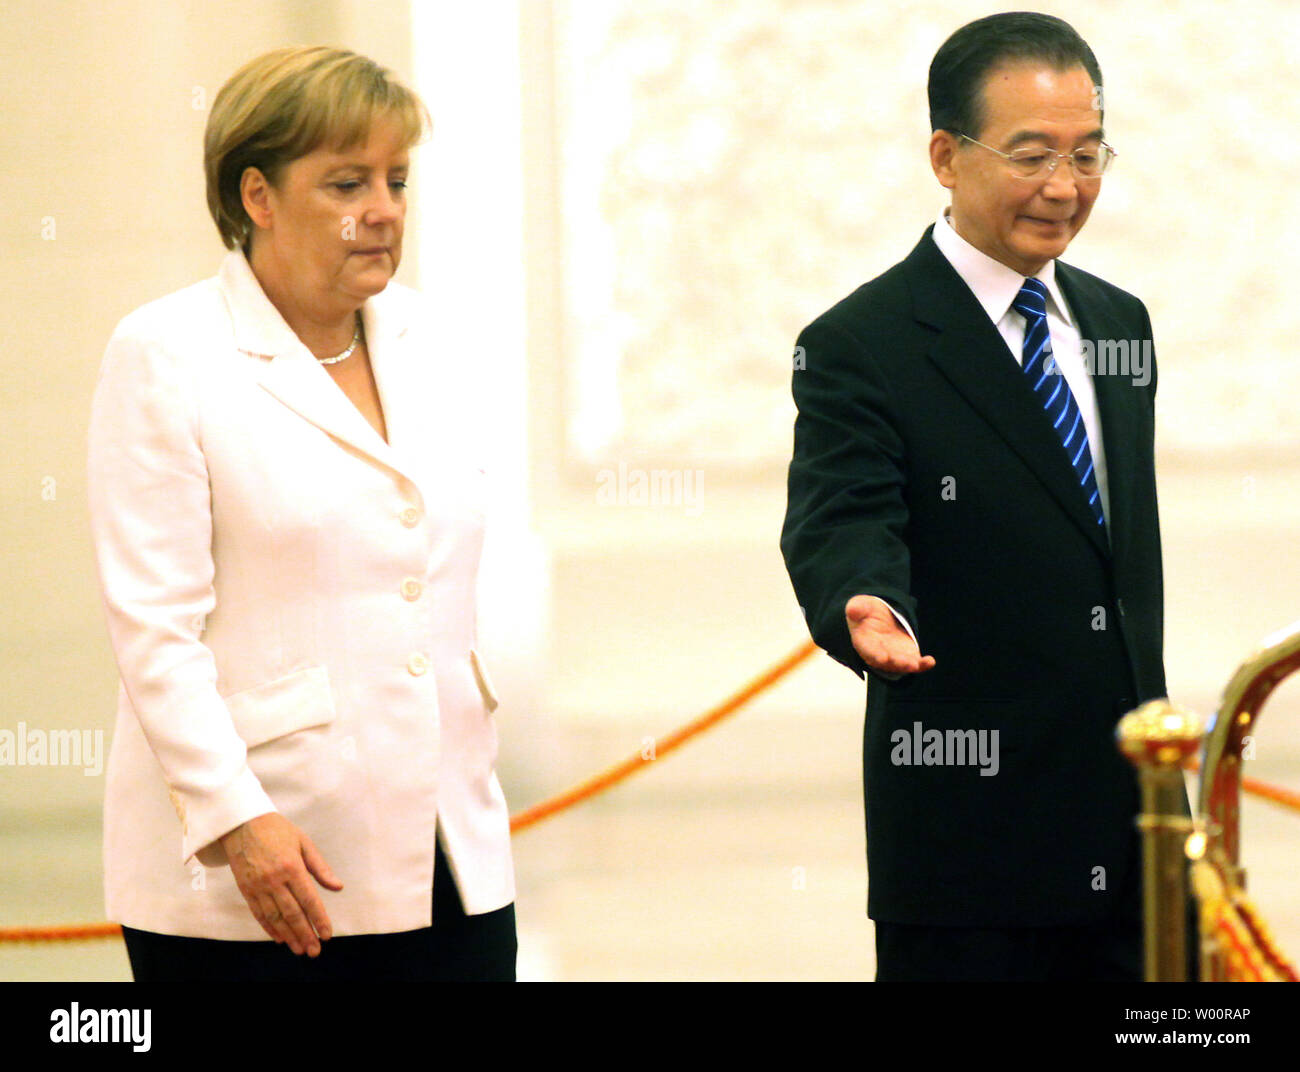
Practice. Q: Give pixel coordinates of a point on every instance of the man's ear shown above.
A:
(943, 147)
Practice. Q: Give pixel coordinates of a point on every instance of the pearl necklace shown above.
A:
(356, 338)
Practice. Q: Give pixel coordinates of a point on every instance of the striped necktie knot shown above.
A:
(1031, 302)
(1047, 382)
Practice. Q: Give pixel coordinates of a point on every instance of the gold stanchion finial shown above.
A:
(1159, 738)
(1160, 734)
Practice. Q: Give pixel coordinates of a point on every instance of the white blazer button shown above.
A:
(411, 589)
(410, 517)
(418, 663)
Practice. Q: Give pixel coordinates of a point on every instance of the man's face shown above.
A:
(1023, 223)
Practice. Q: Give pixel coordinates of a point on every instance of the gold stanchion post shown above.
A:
(1158, 738)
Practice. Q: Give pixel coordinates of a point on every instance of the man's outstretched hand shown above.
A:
(884, 645)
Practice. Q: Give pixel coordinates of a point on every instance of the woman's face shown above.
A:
(331, 230)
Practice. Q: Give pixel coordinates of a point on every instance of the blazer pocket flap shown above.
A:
(484, 683)
(274, 708)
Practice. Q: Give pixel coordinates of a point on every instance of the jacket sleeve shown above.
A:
(846, 514)
(151, 525)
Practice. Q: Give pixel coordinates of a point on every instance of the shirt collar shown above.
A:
(994, 285)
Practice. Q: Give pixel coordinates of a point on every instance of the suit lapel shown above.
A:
(294, 376)
(1118, 401)
(973, 357)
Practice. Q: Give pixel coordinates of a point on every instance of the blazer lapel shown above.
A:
(294, 376)
(973, 357)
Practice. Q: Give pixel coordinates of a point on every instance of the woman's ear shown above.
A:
(256, 192)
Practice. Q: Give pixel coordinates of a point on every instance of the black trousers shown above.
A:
(1107, 952)
(456, 948)
(1103, 953)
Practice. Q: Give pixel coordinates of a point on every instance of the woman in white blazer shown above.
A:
(287, 509)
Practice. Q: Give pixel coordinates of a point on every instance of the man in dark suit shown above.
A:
(973, 478)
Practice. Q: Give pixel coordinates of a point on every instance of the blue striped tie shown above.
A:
(1052, 390)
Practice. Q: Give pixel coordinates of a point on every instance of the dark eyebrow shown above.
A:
(1023, 136)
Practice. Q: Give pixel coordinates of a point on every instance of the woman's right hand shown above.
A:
(273, 863)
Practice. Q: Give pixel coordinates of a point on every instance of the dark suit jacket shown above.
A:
(926, 472)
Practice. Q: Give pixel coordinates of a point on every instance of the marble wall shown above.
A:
(730, 170)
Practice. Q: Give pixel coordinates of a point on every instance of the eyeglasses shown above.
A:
(1086, 162)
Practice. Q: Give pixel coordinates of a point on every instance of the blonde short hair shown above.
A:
(285, 104)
